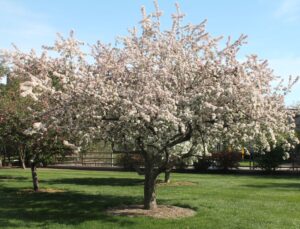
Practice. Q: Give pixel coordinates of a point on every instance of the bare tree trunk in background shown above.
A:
(4, 156)
(22, 157)
(149, 187)
(167, 176)
(35, 180)
(23, 164)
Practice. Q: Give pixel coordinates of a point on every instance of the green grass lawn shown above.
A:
(221, 201)
(244, 163)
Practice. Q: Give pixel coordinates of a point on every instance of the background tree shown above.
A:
(43, 146)
(160, 90)
(296, 155)
(14, 111)
(22, 137)
(3, 72)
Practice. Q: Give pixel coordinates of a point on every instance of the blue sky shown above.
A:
(272, 26)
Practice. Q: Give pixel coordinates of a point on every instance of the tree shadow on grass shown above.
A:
(277, 186)
(188, 206)
(109, 181)
(9, 177)
(258, 175)
(69, 208)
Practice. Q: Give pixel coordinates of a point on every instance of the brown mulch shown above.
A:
(161, 212)
(42, 190)
(175, 183)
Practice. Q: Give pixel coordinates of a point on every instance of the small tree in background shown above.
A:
(296, 156)
(22, 137)
(15, 113)
(43, 146)
(296, 153)
(160, 90)
(3, 73)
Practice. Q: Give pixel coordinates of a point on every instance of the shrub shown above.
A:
(181, 164)
(203, 163)
(130, 161)
(271, 160)
(226, 160)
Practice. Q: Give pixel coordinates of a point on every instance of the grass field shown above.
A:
(221, 201)
(244, 163)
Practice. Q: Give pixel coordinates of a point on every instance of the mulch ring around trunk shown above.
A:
(42, 190)
(175, 183)
(161, 212)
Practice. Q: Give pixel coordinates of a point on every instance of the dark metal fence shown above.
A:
(90, 159)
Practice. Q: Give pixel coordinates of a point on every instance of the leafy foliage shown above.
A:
(226, 160)
(20, 136)
(14, 113)
(270, 160)
(130, 161)
(203, 163)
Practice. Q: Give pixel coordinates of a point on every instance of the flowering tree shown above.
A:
(43, 146)
(3, 71)
(22, 136)
(13, 109)
(163, 94)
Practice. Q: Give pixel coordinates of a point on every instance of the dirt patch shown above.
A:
(175, 183)
(161, 212)
(43, 190)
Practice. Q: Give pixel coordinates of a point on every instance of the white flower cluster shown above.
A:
(37, 127)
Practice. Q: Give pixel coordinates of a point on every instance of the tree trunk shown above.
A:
(35, 180)
(22, 157)
(167, 177)
(23, 163)
(0, 163)
(4, 156)
(149, 188)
